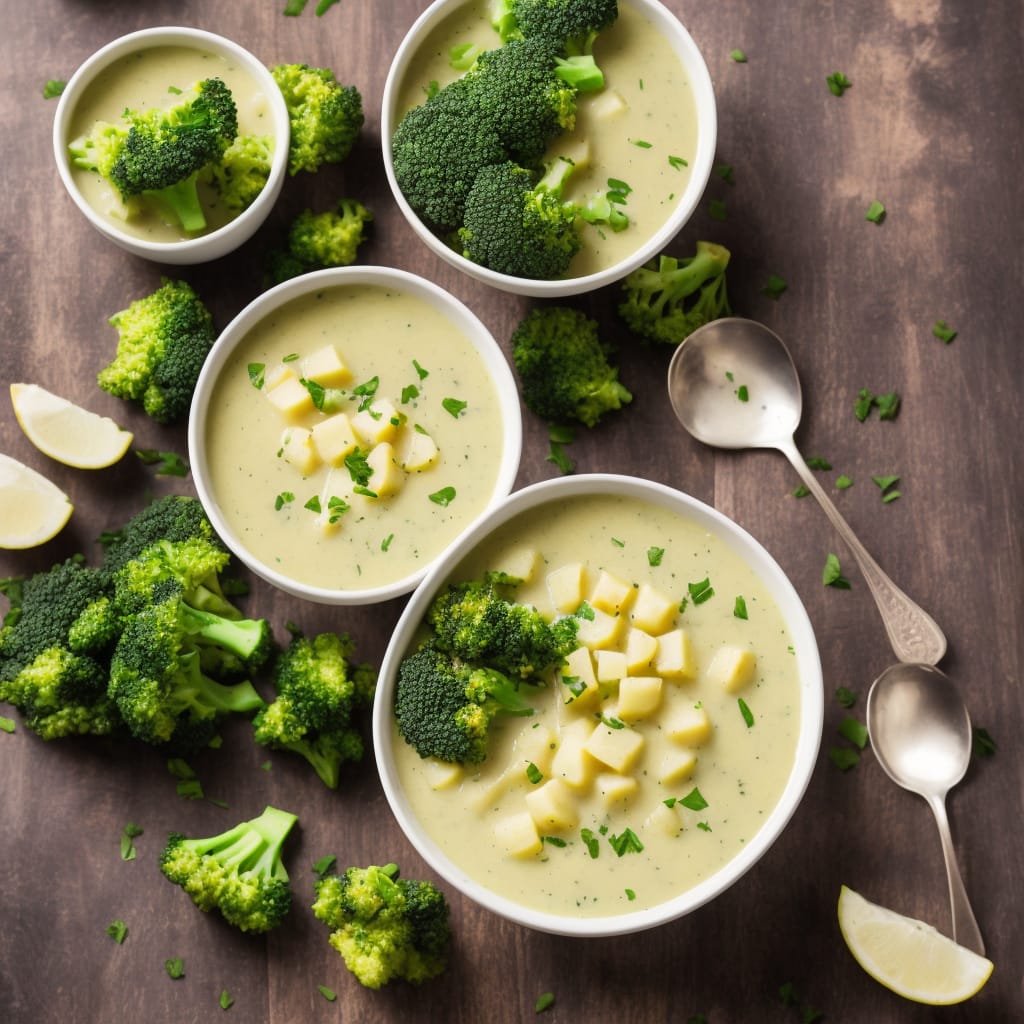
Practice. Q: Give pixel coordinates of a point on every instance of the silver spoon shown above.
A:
(707, 371)
(921, 734)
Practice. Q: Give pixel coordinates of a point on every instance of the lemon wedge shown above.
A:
(66, 432)
(909, 956)
(32, 509)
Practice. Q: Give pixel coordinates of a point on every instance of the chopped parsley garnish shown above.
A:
(702, 591)
(863, 405)
(584, 612)
(838, 83)
(774, 287)
(290, 358)
(739, 609)
(328, 993)
(225, 999)
(53, 88)
(832, 574)
(366, 391)
(165, 463)
(943, 331)
(844, 758)
(284, 498)
(257, 374)
(655, 555)
(409, 392)
(129, 833)
(443, 497)
(317, 392)
(641, 143)
(677, 162)
(817, 462)
(175, 967)
(612, 722)
(888, 405)
(875, 212)
(544, 1002)
(554, 841)
(725, 172)
(630, 895)
(7, 724)
(694, 800)
(743, 393)
(420, 372)
(855, 731)
(982, 743)
(717, 210)
(843, 482)
(846, 697)
(118, 931)
(454, 406)
(703, 826)
(386, 542)
(800, 492)
(618, 543)
(748, 715)
(324, 864)
(188, 786)
(358, 468)
(559, 457)
(738, 56)
(314, 504)
(591, 842)
(366, 492)
(626, 842)
(619, 189)
(576, 686)
(534, 774)
(887, 486)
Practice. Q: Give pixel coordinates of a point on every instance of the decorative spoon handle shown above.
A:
(965, 927)
(913, 633)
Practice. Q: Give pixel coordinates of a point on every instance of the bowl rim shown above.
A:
(810, 687)
(227, 237)
(239, 327)
(700, 166)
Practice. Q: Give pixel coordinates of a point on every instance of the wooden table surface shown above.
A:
(932, 128)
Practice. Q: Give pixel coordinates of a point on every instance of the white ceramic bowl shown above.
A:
(266, 305)
(700, 164)
(806, 663)
(214, 243)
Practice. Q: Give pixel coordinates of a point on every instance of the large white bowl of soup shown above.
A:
(149, 70)
(664, 755)
(652, 128)
(347, 427)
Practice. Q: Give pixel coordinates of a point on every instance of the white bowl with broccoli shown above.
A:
(546, 164)
(173, 142)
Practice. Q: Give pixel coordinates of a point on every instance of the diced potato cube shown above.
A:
(298, 450)
(565, 585)
(676, 766)
(414, 450)
(552, 805)
(441, 774)
(640, 649)
(334, 439)
(664, 819)
(520, 562)
(571, 762)
(275, 375)
(732, 668)
(518, 835)
(600, 630)
(378, 422)
(579, 678)
(606, 104)
(674, 657)
(326, 367)
(387, 476)
(611, 666)
(291, 397)
(611, 594)
(688, 725)
(652, 611)
(639, 697)
(615, 789)
(617, 748)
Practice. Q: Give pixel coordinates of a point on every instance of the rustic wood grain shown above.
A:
(932, 128)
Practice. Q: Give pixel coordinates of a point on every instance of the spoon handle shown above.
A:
(965, 926)
(913, 633)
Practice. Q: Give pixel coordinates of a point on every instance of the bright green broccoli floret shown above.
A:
(325, 115)
(385, 927)
(319, 691)
(654, 296)
(444, 706)
(163, 340)
(239, 872)
(564, 367)
(239, 176)
(161, 153)
(319, 240)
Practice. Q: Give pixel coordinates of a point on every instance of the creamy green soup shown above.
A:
(397, 349)
(684, 755)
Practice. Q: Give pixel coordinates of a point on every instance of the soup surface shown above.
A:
(705, 759)
(397, 348)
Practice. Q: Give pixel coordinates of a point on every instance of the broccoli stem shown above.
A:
(182, 201)
(709, 261)
(239, 636)
(251, 845)
(581, 72)
(204, 694)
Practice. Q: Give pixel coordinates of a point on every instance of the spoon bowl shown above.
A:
(920, 732)
(733, 384)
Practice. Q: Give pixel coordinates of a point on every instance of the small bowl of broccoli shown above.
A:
(174, 143)
(547, 147)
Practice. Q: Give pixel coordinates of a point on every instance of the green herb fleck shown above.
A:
(560, 457)
(324, 864)
(717, 209)
(454, 406)
(534, 774)
(738, 56)
(443, 497)
(53, 88)
(175, 967)
(982, 743)
(225, 1000)
(844, 758)
(618, 543)
(817, 462)
(544, 1002)
(655, 555)
(943, 331)
(694, 800)
(7, 724)
(590, 841)
(626, 842)
(743, 393)
(774, 287)
(118, 931)
(701, 591)
(739, 609)
(556, 841)
(832, 574)
(257, 374)
(129, 833)
(677, 162)
(838, 83)
(748, 715)
(409, 392)
(855, 731)
(386, 542)
(846, 697)
(800, 492)
(314, 504)
(843, 483)
(585, 612)
(875, 212)
(630, 895)
(725, 172)
(358, 468)
(640, 143)
(328, 993)
(164, 463)
(863, 405)
(420, 372)
(703, 826)
(284, 498)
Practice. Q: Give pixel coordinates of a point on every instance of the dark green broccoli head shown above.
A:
(564, 367)
(572, 24)
(239, 872)
(384, 926)
(163, 341)
(318, 240)
(654, 297)
(325, 115)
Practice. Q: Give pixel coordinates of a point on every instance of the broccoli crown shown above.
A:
(564, 368)
(573, 24)
(438, 149)
(157, 680)
(475, 623)
(325, 115)
(318, 691)
(654, 296)
(187, 567)
(240, 174)
(163, 340)
(319, 240)
(385, 927)
(239, 872)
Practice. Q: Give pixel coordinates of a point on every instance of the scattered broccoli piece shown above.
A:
(319, 240)
(239, 176)
(654, 296)
(163, 340)
(385, 927)
(564, 367)
(161, 153)
(239, 872)
(318, 692)
(325, 115)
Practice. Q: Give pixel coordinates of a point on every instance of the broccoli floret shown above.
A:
(239, 176)
(161, 153)
(654, 296)
(564, 367)
(239, 872)
(325, 115)
(163, 340)
(319, 240)
(444, 706)
(318, 692)
(157, 679)
(385, 927)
